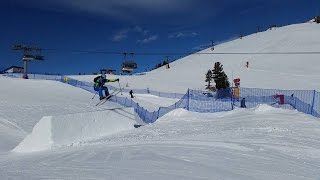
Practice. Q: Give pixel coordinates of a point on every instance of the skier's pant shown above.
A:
(100, 89)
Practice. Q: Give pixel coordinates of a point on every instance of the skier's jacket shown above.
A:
(99, 81)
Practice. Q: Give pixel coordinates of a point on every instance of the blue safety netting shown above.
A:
(144, 114)
(306, 101)
(35, 76)
(302, 100)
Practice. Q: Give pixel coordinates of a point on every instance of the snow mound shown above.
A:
(264, 108)
(67, 130)
(177, 113)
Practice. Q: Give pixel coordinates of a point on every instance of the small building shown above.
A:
(14, 69)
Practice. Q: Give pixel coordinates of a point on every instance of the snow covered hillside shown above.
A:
(269, 71)
(51, 130)
(258, 143)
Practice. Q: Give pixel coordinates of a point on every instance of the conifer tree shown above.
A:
(221, 80)
(220, 77)
(164, 63)
(209, 79)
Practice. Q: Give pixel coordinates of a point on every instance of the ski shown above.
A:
(109, 97)
(102, 101)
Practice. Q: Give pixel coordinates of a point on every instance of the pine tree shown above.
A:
(221, 80)
(209, 79)
(220, 77)
(164, 63)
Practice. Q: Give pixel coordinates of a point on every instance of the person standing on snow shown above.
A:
(131, 94)
(243, 103)
(99, 82)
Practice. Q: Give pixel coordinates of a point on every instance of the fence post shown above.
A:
(145, 115)
(314, 96)
(158, 113)
(153, 116)
(231, 92)
(188, 100)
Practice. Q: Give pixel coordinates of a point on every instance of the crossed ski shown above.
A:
(102, 101)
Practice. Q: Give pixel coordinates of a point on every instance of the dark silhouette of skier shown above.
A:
(131, 94)
(243, 103)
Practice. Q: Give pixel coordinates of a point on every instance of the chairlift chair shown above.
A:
(128, 65)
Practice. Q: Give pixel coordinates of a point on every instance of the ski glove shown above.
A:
(112, 80)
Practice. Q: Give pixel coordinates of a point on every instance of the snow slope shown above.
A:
(264, 70)
(59, 115)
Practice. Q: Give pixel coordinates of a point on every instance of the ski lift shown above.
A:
(28, 57)
(128, 65)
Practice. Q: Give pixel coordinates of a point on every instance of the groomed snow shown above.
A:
(258, 143)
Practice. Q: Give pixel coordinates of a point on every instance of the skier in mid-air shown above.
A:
(99, 82)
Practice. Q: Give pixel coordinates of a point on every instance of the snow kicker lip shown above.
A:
(65, 130)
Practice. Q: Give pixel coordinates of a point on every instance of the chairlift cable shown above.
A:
(184, 53)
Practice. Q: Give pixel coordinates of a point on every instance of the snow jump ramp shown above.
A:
(66, 130)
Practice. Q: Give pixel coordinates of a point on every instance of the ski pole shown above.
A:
(120, 88)
(94, 95)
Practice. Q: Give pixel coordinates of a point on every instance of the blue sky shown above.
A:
(138, 26)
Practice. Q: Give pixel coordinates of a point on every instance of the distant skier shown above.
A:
(99, 82)
(243, 103)
(131, 94)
